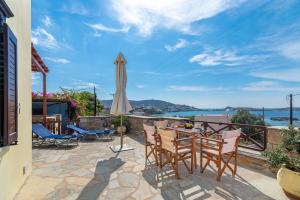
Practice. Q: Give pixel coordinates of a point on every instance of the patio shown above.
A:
(92, 171)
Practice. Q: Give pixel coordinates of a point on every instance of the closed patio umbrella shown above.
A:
(120, 105)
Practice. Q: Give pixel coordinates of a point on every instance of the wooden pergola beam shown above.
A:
(37, 65)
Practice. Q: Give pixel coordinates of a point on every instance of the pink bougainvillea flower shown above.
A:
(73, 104)
(34, 94)
(50, 95)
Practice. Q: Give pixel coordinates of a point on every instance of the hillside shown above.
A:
(155, 106)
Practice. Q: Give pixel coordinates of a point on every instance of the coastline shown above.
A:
(268, 115)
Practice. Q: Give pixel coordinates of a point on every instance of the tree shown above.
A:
(83, 102)
(243, 116)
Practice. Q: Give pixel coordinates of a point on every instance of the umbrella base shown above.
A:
(118, 148)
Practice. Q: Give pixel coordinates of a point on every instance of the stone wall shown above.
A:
(136, 122)
(274, 136)
(95, 122)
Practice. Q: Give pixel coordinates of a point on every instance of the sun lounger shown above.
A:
(99, 134)
(47, 137)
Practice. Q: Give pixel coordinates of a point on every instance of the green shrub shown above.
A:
(290, 137)
(277, 157)
(294, 164)
(84, 102)
(125, 121)
(286, 153)
(245, 117)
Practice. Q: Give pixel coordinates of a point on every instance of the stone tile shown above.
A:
(128, 180)
(81, 172)
(119, 193)
(143, 191)
(73, 180)
(113, 184)
(93, 171)
(37, 187)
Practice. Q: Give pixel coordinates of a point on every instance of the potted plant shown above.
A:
(125, 124)
(286, 158)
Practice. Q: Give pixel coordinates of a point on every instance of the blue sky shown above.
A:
(209, 54)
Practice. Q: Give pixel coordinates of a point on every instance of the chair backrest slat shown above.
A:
(167, 138)
(230, 139)
(150, 131)
(161, 124)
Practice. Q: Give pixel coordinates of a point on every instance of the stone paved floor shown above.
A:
(92, 171)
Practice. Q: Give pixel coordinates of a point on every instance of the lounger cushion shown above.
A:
(101, 131)
(62, 136)
(88, 132)
(44, 133)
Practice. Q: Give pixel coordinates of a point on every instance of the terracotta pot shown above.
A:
(121, 129)
(289, 181)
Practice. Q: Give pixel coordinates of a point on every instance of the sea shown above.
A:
(268, 115)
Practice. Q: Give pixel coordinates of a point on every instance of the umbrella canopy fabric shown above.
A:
(120, 105)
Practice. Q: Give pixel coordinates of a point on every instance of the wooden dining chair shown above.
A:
(150, 143)
(220, 150)
(161, 124)
(175, 150)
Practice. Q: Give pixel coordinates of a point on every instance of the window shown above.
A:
(8, 87)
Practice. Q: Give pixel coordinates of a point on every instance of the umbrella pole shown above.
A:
(121, 131)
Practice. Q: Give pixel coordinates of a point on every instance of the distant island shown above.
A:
(152, 106)
(283, 119)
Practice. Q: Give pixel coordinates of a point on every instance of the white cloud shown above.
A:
(35, 78)
(83, 85)
(181, 43)
(185, 88)
(141, 86)
(101, 27)
(291, 50)
(41, 37)
(47, 21)
(97, 34)
(147, 15)
(74, 7)
(228, 58)
(150, 72)
(58, 60)
(263, 86)
(292, 74)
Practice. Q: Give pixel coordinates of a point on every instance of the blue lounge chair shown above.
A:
(99, 134)
(47, 137)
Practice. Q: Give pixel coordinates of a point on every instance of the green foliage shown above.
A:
(276, 158)
(290, 137)
(125, 121)
(286, 153)
(190, 117)
(84, 102)
(245, 117)
(294, 164)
